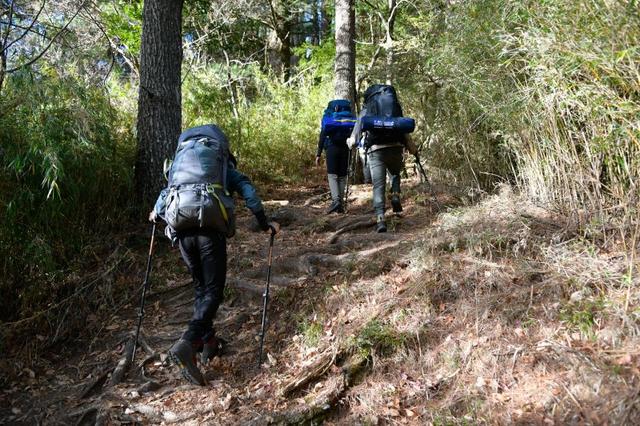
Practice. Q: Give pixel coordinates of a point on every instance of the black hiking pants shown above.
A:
(205, 253)
(337, 159)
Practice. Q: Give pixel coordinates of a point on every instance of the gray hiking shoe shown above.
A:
(381, 225)
(395, 203)
(183, 355)
(336, 207)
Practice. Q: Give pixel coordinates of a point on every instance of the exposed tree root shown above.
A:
(307, 263)
(349, 242)
(157, 415)
(153, 357)
(310, 373)
(333, 238)
(179, 288)
(123, 365)
(149, 386)
(331, 390)
(245, 286)
(97, 413)
(95, 385)
(142, 342)
(317, 198)
(87, 415)
(328, 396)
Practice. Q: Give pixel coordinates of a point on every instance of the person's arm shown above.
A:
(321, 138)
(356, 133)
(238, 182)
(159, 207)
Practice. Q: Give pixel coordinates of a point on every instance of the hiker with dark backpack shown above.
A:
(199, 212)
(336, 126)
(383, 131)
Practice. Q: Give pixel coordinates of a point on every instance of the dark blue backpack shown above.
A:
(382, 112)
(338, 120)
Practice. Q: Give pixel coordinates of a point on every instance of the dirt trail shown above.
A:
(497, 312)
(312, 250)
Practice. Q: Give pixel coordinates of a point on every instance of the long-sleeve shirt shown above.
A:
(241, 184)
(323, 136)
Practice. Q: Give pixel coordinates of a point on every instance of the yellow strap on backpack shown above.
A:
(211, 190)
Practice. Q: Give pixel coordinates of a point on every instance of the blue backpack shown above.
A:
(338, 120)
(197, 194)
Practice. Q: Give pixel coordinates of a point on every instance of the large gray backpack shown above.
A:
(198, 195)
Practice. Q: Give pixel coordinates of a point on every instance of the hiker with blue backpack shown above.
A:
(337, 123)
(382, 131)
(199, 211)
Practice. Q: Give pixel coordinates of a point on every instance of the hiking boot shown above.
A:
(336, 207)
(395, 203)
(211, 348)
(381, 225)
(182, 353)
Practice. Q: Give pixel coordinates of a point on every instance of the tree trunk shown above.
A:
(323, 20)
(315, 23)
(282, 22)
(159, 101)
(389, 40)
(345, 68)
(3, 67)
(285, 49)
(7, 18)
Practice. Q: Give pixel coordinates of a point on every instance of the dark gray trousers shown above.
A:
(382, 161)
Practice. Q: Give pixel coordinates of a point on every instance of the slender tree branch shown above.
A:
(39, 55)
(5, 37)
(27, 30)
(22, 27)
(374, 58)
(263, 22)
(368, 3)
(114, 46)
(37, 33)
(230, 85)
(274, 16)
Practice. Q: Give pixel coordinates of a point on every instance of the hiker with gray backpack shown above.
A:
(382, 130)
(199, 211)
(337, 123)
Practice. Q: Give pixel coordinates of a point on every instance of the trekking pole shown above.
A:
(145, 287)
(426, 179)
(346, 188)
(265, 296)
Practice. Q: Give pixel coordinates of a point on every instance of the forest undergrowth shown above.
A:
(492, 312)
(517, 302)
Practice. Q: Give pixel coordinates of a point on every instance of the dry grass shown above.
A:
(502, 315)
(498, 313)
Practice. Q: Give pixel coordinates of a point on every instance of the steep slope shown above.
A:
(492, 313)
